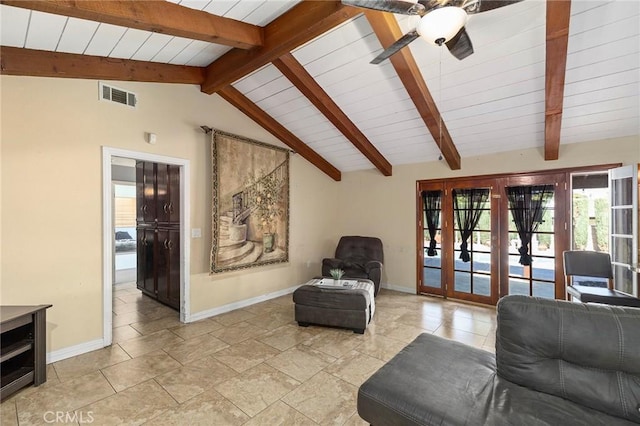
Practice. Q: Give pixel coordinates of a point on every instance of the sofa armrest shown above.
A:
(329, 264)
(371, 265)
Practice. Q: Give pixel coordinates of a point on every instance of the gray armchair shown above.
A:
(358, 257)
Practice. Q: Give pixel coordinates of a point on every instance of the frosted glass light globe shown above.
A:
(441, 25)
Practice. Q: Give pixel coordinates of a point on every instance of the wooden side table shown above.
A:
(23, 348)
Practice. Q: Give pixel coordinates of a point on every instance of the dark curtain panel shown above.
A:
(527, 205)
(432, 201)
(467, 204)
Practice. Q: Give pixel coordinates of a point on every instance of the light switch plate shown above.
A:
(196, 233)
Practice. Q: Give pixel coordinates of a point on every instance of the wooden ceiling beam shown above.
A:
(298, 75)
(388, 31)
(302, 23)
(238, 100)
(558, 16)
(158, 16)
(40, 63)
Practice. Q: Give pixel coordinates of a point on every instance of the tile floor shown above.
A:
(252, 366)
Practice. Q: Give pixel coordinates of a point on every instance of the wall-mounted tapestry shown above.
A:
(250, 215)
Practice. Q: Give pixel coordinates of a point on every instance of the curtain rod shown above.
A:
(208, 130)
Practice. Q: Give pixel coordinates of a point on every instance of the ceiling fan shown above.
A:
(441, 21)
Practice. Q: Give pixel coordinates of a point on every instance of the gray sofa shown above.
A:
(556, 363)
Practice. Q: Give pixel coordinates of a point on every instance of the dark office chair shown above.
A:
(581, 267)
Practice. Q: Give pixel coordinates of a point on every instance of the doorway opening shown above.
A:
(123, 174)
(110, 220)
(590, 211)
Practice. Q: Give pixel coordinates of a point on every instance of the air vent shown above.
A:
(119, 96)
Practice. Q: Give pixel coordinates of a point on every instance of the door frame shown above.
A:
(107, 229)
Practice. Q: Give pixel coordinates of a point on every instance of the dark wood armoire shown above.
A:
(158, 231)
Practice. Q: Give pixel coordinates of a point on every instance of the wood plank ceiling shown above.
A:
(542, 75)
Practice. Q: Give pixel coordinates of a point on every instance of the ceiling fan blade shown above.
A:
(477, 6)
(460, 46)
(393, 6)
(395, 47)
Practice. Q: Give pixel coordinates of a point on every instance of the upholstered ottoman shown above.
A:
(348, 306)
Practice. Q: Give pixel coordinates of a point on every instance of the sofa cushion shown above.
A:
(358, 249)
(430, 381)
(435, 381)
(338, 298)
(560, 352)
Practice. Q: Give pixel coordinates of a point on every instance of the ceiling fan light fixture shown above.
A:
(441, 25)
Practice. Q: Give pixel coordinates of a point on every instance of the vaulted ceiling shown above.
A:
(543, 74)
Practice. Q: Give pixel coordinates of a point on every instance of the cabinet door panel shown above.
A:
(145, 192)
(145, 260)
(162, 193)
(174, 193)
(174, 268)
(168, 266)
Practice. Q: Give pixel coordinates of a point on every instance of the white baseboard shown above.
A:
(398, 288)
(93, 345)
(240, 304)
(74, 350)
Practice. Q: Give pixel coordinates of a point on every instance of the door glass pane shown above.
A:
(622, 221)
(515, 268)
(474, 277)
(517, 286)
(432, 270)
(460, 265)
(624, 278)
(622, 192)
(482, 284)
(543, 289)
(433, 262)
(543, 268)
(462, 282)
(622, 249)
(431, 277)
(481, 262)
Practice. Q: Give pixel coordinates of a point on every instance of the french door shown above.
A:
(455, 262)
(625, 215)
(470, 246)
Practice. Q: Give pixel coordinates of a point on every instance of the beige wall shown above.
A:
(52, 131)
(51, 196)
(386, 207)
